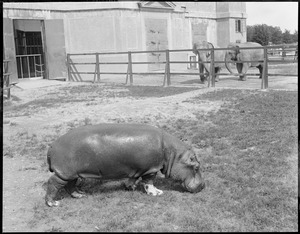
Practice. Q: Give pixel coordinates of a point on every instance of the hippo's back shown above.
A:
(106, 150)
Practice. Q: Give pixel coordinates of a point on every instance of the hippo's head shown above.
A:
(186, 168)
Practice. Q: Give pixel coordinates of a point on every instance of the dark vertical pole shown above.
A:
(199, 64)
(97, 67)
(165, 76)
(127, 75)
(130, 67)
(168, 67)
(212, 67)
(69, 68)
(266, 67)
(264, 75)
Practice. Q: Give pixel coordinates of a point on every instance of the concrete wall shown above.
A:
(28, 25)
(200, 6)
(223, 29)
(72, 6)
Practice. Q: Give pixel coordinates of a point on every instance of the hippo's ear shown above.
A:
(189, 158)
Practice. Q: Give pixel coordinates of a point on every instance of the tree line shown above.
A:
(266, 35)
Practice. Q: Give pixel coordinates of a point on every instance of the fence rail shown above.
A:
(74, 74)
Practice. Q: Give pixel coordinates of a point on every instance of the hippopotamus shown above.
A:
(110, 151)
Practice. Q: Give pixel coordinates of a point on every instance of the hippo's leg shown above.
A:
(73, 190)
(147, 181)
(131, 184)
(54, 185)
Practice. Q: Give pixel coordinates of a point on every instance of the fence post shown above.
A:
(97, 67)
(69, 67)
(130, 67)
(167, 69)
(199, 64)
(264, 82)
(127, 76)
(212, 67)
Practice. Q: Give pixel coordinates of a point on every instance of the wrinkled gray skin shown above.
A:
(205, 56)
(116, 151)
(235, 54)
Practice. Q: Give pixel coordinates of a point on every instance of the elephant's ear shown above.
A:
(208, 46)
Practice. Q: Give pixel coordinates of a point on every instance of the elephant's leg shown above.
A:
(201, 70)
(260, 68)
(73, 190)
(53, 186)
(217, 70)
(239, 67)
(244, 70)
(147, 181)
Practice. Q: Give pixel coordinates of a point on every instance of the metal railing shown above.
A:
(74, 74)
(29, 66)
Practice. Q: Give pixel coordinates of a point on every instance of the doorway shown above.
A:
(30, 56)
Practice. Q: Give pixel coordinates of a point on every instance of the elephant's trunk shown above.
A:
(226, 63)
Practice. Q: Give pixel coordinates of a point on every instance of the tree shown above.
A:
(295, 36)
(287, 37)
(261, 34)
(264, 34)
(250, 32)
(276, 35)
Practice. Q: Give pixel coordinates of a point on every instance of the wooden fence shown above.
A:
(74, 74)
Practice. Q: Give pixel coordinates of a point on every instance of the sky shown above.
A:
(281, 14)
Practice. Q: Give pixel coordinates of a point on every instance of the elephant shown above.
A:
(235, 54)
(205, 56)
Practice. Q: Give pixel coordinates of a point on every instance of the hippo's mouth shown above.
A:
(193, 189)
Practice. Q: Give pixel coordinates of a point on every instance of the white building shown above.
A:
(53, 29)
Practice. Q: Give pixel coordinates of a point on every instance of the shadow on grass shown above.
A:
(97, 187)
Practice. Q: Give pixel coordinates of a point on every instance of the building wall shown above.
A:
(209, 7)
(115, 27)
(28, 25)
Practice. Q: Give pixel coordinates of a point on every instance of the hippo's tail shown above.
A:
(49, 158)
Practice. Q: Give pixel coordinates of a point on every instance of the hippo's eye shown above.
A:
(193, 159)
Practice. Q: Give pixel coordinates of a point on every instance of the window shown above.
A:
(238, 26)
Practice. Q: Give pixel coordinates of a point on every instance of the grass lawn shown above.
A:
(245, 149)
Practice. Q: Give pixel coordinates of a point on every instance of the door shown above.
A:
(9, 51)
(55, 50)
(29, 54)
(156, 39)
